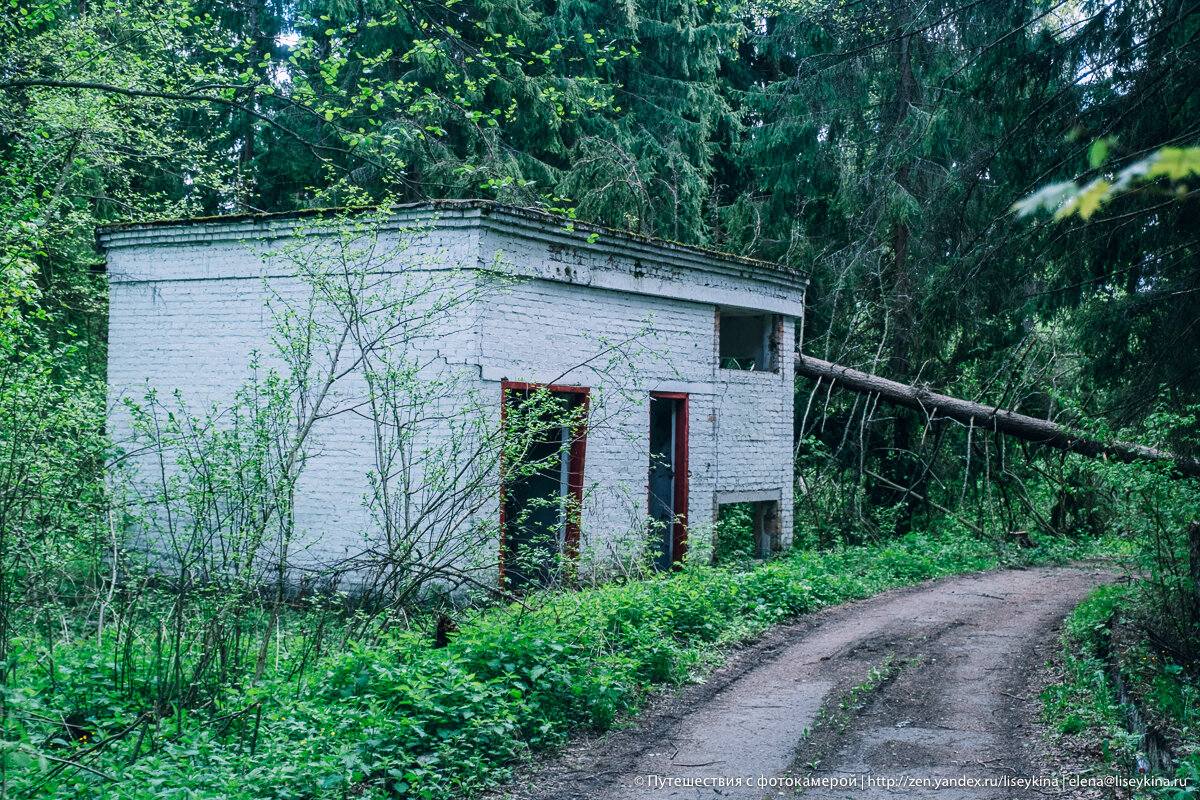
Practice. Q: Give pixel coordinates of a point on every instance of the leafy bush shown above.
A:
(734, 532)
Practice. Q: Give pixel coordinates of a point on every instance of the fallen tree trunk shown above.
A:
(1020, 426)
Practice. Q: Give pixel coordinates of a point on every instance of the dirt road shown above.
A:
(885, 695)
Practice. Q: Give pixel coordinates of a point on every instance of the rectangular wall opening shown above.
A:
(748, 529)
(748, 340)
(667, 478)
(542, 492)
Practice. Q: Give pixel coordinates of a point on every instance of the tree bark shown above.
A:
(904, 466)
(1020, 426)
(1193, 536)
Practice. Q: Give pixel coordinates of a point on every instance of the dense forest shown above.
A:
(880, 146)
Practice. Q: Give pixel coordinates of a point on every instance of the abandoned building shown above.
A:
(672, 365)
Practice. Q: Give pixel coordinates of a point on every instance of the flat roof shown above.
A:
(579, 234)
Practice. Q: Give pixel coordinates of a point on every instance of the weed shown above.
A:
(372, 710)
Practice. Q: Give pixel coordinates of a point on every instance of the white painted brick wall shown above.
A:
(188, 304)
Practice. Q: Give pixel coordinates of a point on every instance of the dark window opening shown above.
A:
(747, 530)
(544, 440)
(667, 478)
(748, 340)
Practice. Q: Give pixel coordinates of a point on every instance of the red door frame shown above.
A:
(680, 500)
(574, 463)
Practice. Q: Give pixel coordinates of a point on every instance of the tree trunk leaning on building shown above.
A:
(1031, 429)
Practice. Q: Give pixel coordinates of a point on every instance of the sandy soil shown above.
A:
(881, 697)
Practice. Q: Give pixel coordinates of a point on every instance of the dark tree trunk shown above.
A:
(903, 465)
(1193, 534)
(246, 154)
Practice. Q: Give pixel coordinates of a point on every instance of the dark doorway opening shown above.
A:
(668, 477)
(542, 493)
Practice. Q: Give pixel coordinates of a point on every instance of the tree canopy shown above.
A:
(880, 145)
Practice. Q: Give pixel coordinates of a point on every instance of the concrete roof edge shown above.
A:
(581, 232)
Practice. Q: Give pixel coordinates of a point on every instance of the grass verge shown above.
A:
(387, 715)
(1083, 702)
(1091, 717)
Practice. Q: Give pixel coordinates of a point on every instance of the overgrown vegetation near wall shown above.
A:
(1083, 701)
(364, 706)
(1119, 708)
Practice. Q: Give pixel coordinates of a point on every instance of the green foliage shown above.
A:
(374, 711)
(1154, 508)
(1172, 164)
(734, 532)
(1157, 657)
(1084, 699)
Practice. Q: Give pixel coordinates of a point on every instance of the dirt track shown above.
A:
(929, 682)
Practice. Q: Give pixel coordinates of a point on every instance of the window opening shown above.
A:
(748, 340)
(747, 529)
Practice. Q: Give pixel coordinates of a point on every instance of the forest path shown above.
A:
(931, 682)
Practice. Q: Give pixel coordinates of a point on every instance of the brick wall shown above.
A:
(188, 304)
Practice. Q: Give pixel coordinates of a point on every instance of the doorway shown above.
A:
(542, 493)
(667, 479)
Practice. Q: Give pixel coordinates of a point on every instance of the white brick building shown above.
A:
(671, 349)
